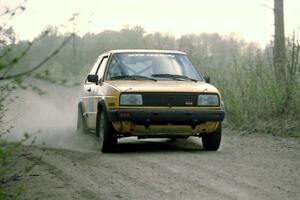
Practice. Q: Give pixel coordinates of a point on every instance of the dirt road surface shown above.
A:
(72, 166)
(246, 167)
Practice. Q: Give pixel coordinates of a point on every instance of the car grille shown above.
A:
(170, 99)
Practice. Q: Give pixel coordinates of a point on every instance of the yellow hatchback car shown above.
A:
(149, 94)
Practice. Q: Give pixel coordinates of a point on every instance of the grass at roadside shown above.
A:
(276, 126)
(13, 166)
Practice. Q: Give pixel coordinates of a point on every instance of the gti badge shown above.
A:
(189, 102)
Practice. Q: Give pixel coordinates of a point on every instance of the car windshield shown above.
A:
(151, 66)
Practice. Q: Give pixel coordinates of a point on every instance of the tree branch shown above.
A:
(13, 11)
(14, 61)
(56, 51)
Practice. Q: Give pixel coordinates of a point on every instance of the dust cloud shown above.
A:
(49, 119)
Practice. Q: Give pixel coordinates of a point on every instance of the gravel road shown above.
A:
(72, 167)
(246, 167)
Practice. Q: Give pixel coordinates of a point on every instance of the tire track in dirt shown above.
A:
(179, 169)
(69, 182)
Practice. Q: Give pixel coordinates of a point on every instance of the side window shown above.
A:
(94, 69)
(101, 69)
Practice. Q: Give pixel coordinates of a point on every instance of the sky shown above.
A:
(251, 20)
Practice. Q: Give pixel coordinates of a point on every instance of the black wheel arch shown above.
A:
(80, 106)
(100, 108)
(81, 123)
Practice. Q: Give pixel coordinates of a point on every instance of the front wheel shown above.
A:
(211, 141)
(107, 135)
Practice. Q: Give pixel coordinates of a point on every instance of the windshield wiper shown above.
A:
(173, 76)
(132, 77)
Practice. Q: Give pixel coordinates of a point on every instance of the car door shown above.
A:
(91, 97)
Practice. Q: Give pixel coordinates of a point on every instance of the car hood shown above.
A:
(161, 86)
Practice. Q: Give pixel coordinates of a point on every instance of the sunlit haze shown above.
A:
(251, 20)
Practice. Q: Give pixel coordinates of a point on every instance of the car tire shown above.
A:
(107, 135)
(81, 124)
(212, 141)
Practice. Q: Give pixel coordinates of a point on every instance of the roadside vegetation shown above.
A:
(12, 75)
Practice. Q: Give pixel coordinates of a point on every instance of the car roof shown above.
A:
(144, 51)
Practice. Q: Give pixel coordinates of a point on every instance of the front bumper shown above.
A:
(166, 116)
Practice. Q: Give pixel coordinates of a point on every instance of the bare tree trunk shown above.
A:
(279, 54)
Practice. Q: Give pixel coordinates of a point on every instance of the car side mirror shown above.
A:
(207, 79)
(92, 78)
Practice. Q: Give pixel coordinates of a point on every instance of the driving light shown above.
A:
(131, 100)
(208, 100)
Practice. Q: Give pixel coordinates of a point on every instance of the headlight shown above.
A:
(131, 100)
(208, 100)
